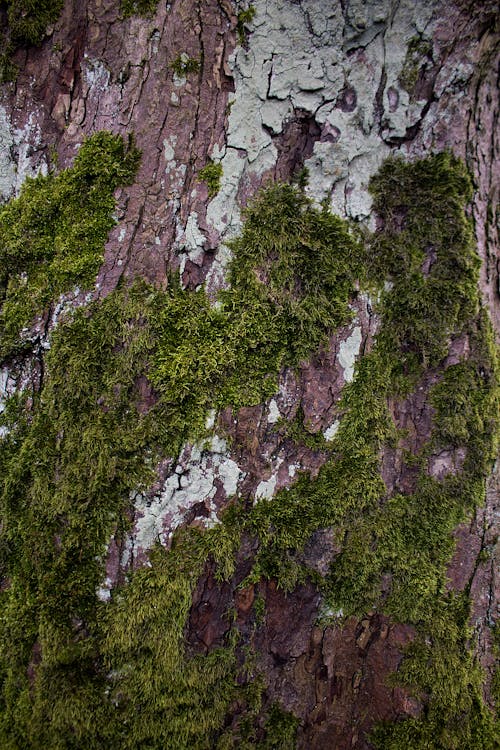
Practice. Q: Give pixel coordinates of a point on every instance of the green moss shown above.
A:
(423, 310)
(298, 432)
(272, 729)
(73, 457)
(231, 354)
(495, 682)
(418, 55)
(183, 65)
(52, 236)
(245, 17)
(406, 539)
(440, 666)
(138, 7)
(76, 450)
(27, 24)
(297, 266)
(28, 19)
(212, 175)
(68, 465)
(8, 71)
(163, 697)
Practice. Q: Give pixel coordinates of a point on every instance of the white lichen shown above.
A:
(274, 413)
(348, 352)
(201, 471)
(265, 489)
(331, 431)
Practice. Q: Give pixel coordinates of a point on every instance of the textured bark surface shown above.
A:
(321, 85)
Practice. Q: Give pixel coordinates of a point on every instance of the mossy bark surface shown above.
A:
(246, 465)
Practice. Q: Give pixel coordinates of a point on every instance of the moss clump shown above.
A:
(409, 536)
(182, 700)
(212, 175)
(288, 254)
(272, 729)
(297, 265)
(429, 257)
(418, 55)
(27, 22)
(68, 463)
(245, 17)
(52, 236)
(183, 65)
(440, 665)
(138, 7)
(297, 431)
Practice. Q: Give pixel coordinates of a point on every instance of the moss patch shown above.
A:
(245, 17)
(212, 175)
(75, 453)
(183, 65)
(120, 673)
(440, 668)
(27, 22)
(52, 236)
(418, 55)
(138, 7)
(429, 258)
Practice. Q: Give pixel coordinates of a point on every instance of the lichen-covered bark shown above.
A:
(311, 91)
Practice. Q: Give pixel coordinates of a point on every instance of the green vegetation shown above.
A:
(164, 698)
(407, 538)
(67, 464)
(183, 65)
(440, 665)
(244, 17)
(28, 19)
(298, 432)
(418, 54)
(52, 236)
(274, 729)
(74, 454)
(231, 354)
(212, 175)
(138, 7)
(422, 311)
(27, 24)
(78, 672)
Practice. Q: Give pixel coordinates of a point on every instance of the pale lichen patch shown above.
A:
(348, 352)
(331, 431)
(202, 471)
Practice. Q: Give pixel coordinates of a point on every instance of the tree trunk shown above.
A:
(298, 635)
